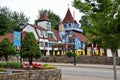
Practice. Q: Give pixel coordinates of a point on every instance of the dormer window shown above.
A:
(50, 35)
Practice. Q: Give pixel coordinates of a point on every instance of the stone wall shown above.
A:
(80, 59)
(45, 74)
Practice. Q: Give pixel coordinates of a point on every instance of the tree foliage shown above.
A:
(6, 48)
(55, 19)
(104, 17)
(3, 24)
(30, 48)
(86, 25)
(10, 20)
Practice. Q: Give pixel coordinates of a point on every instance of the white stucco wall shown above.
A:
(118, 52)
(43, 24)
(109, 53)
(29, 28)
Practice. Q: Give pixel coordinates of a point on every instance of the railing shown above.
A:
(76, 29)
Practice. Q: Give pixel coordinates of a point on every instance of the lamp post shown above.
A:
(74, 51)
(21, 25)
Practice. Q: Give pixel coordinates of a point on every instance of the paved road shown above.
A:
(81, 73)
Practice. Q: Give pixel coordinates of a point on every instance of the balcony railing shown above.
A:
(76, 29)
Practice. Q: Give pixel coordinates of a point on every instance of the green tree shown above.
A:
(9, 20)
(29, 48)
(104, 16)
(6, 48)
(55, 19)
(86, 25)
(3, 24)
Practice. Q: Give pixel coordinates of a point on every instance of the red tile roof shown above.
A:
(43, 17)
(56, 34)
(11, 37)
(51, 39)
(37, 27)
(80, 36)
(23, 34)
(68, 18)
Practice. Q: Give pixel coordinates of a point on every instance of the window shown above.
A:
(48, 26)
(50, 35)
(41, 33)
(45, 33)
(65, 25)
(70, 25)
(46, 44)
(50, 44)
(70, 40)
(41, 44)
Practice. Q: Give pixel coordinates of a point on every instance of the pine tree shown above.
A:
(6, 48)
(29, 48)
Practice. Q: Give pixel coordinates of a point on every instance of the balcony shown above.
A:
(75, 29)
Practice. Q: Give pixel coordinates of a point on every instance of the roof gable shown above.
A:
(37, 27)
(68, 18)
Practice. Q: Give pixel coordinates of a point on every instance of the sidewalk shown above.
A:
(84, 65)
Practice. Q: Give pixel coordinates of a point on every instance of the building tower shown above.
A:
(70, 31)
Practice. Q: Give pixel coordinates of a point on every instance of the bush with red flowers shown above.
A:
(26, 65)
(35, 65)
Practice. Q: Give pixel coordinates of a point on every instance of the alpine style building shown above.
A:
(68, 33)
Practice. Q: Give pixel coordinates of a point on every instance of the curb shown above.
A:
(65, 65)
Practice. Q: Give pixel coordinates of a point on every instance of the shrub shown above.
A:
(2, 64)
(44, 65)
(47, 66)
(2, 70)
(78, 57)
(70, 54)
(11, 64)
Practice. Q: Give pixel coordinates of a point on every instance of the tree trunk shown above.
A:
(6, 58)
(30, 61)
(114, 64)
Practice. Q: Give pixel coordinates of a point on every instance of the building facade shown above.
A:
(68, 32)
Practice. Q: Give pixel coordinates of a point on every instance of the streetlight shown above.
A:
(21, 25)
(75, 46)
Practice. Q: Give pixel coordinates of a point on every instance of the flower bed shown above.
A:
(36, 71)
(36, 65)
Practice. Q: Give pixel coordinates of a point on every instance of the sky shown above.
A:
(31, 7)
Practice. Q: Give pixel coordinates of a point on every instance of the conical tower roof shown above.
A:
(43, 17)
(68, 18)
